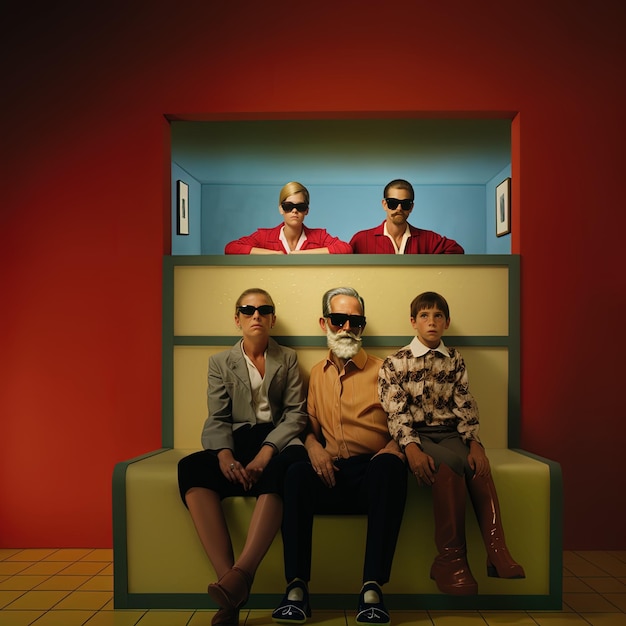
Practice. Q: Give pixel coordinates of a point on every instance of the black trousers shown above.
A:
(364, 485)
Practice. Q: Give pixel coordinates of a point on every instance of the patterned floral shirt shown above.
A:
(420, 388)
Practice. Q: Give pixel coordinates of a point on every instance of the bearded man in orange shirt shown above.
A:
(354, 466)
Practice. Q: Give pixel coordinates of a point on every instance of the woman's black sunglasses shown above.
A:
(248, 309)
(288, 207)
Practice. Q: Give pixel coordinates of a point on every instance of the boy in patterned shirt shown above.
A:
(434, 418)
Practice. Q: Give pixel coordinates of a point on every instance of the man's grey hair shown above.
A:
(340, 291)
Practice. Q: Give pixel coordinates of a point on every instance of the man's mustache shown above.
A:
(346, 334)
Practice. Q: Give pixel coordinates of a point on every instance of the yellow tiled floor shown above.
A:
(75, 587)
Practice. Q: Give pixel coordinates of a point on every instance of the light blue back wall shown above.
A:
(241, 166)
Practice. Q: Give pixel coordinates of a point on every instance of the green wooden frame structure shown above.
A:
(551, 601)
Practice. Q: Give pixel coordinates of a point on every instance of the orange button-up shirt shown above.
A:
(345, 404)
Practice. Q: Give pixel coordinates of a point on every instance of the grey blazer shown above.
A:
(230, 397)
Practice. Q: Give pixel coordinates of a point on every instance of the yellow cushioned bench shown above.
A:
(158, 559)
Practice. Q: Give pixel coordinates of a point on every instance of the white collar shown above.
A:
(419, 349)
(405, 237)
(283, 239)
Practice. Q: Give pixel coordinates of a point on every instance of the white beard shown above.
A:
(344, 345)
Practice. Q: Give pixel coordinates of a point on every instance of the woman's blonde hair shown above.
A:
(290, 189)
(252, 290)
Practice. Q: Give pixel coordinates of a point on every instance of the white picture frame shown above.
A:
(182, 200)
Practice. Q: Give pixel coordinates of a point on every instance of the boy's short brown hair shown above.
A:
(429, 300)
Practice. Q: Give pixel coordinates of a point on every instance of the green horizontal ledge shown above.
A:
(379, 260)
(377, 341)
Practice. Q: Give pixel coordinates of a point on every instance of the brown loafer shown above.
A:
(226, 617)
(232, 589)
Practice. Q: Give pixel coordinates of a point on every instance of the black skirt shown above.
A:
(202, 469)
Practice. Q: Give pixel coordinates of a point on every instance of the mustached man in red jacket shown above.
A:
(395, 235)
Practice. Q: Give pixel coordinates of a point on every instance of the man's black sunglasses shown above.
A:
(288, 207)
(248, 309)
(393, 203)
(340, 319)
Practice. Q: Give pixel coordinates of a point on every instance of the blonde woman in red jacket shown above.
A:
(292, 236)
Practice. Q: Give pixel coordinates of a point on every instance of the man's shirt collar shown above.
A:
(359, 359)
(405, 238)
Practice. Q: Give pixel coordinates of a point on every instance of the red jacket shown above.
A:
(374, 241)
(269, 238)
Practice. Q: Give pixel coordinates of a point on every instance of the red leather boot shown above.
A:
(450, 569)
(500, 563)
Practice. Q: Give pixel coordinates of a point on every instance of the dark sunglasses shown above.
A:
(248, 309)
(393, 203)
(288, 207)
(340, 319)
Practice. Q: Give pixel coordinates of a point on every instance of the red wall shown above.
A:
(85, 213)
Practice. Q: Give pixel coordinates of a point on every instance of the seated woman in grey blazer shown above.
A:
(257, 410)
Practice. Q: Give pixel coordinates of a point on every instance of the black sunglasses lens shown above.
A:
(264, 309)
(288, 207)
(393, 203)
(339, 320)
